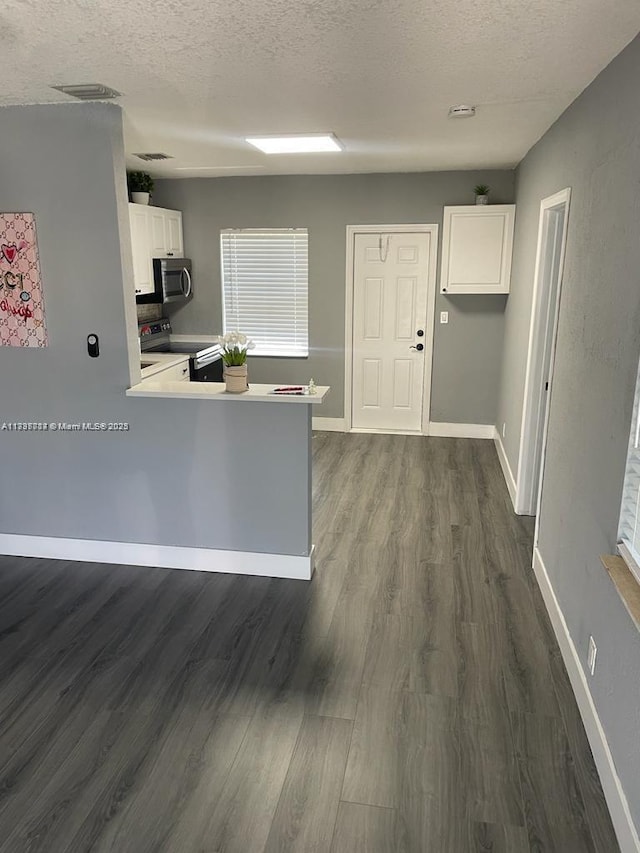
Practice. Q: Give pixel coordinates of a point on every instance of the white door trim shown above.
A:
(352, 230)
(527, 484)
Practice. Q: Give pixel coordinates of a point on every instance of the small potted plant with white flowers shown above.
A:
(235, 347)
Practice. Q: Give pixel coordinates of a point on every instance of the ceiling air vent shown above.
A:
(153, 156)
(89, 91)
(462, 111)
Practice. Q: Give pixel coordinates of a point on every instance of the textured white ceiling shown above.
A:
(200, 75)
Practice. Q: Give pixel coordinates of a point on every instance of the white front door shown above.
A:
(390, 345)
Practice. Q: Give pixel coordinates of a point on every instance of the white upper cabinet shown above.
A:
(142, 264)
(173, 232)
(165, 230)
(155, 233)
(477, 243)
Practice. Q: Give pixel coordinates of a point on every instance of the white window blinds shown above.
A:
(629, 532)
(265, 288)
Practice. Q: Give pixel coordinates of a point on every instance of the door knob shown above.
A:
(420, 333)
(419, 347)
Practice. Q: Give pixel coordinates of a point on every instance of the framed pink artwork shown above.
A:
(22, 317)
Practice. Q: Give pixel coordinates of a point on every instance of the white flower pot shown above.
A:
(482, 199)
(236, 379)
(140, 198)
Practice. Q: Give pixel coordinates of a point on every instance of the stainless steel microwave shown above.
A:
(172, 279)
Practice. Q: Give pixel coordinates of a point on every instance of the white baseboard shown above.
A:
(510, 480)
(161, 556)
(461, 430)
(435, 428)
(613, 791)
(375, 431)
(329, 424)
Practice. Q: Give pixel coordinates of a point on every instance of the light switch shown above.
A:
(444, 316)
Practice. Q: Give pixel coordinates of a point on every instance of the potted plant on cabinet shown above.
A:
(234, 354)
(482, 193)
(140, 187)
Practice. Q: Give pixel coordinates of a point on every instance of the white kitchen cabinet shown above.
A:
(157, 224)
(142, 264)
(156, 232)
(477, 244)
(165, 232)
(177, 373)
(155, 370)
(173, 232)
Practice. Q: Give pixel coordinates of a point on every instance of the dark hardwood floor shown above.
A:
(411, 698)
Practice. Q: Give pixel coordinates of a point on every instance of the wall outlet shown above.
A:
(591, 656)
(504, 430)
(444, 317)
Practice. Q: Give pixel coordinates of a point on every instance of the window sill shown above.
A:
(625, 583)
(270, 355)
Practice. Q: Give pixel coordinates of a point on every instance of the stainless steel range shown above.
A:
(205, 362)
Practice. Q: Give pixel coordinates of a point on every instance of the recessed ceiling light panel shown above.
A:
(305, 143)
(462, 111)
(89, 91)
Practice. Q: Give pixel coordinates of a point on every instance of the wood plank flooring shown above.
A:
(410, 699)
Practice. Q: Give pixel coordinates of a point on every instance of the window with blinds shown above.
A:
(265, 288)
(629, 532)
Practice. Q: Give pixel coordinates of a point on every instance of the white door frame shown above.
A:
(352, 230)
(528, 485)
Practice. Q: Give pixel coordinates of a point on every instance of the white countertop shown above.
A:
(217, 391)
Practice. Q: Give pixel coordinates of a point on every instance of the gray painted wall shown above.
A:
(194, 473)
(594, 148)
(467, 352)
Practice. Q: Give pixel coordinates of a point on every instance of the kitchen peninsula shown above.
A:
(256, 519)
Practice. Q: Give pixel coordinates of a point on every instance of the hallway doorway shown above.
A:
(552, 235)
